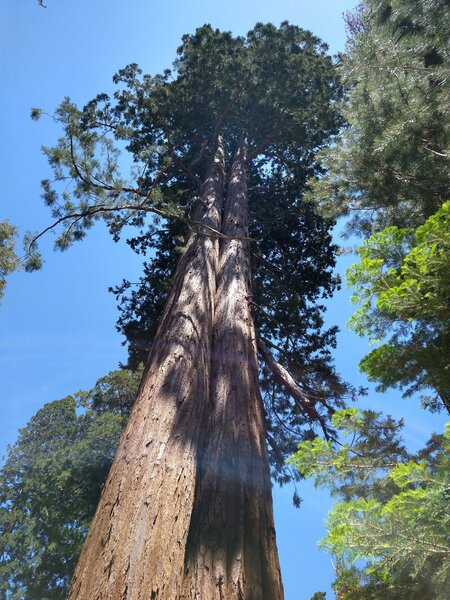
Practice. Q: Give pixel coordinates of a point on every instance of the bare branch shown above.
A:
(283, 377)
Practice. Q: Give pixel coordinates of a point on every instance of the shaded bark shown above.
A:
(231, 553)
(136, 545)
(186, 512)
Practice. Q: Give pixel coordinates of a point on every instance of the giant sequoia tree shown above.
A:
(222, 147)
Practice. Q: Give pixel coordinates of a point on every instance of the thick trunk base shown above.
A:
(186, 513)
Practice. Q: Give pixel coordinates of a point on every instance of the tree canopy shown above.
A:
(388, 170)
(51, 482)
(402, 284)
(390, 165)
(393, 510)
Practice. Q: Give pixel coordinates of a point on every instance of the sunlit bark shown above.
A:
(232, 551)
(187, 511)
(136, 545)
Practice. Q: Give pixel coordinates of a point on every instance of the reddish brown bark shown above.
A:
(186, 512)
(232, 552)
(136, 545)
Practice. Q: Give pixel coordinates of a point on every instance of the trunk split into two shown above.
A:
(186, 512)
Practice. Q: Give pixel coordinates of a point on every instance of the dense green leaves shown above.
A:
(390, 166)
(393, 514)
(50, 485)
(403, 286)
(371, 445)
(276, 86)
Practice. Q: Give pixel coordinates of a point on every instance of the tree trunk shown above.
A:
(136, 544)
(232, 552)
(186, 513)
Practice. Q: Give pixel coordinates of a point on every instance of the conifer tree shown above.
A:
(50, 484)
(389, 528)
(388, 172)
(390, 165)
(222, 147)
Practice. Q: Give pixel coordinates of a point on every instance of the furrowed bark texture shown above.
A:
(186, 512)
(136, 545)
(231, 553)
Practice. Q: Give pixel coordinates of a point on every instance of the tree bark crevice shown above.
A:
(232, 536)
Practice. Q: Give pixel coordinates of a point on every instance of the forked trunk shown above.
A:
(136, 544)
(232, 552)
(186, 513)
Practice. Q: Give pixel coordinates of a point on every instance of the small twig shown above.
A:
(181, 167)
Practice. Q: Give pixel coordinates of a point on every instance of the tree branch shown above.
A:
(181, 167)
(283, 377)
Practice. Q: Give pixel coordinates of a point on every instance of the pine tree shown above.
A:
(388, 172)
(390, 165)
(222, 148)
(389, 530)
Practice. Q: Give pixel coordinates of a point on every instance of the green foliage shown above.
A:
(36, 114)
(389, 169)
(372, 446)
(50, 485)
(278, 87)
(9, 261)
(402, 283)
(390, 166)
(393, 515)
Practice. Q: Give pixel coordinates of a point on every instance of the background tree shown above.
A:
(393, 509)
(243, 116)
(50, 484)
(389, 168)
(390, 165)
(402, 284)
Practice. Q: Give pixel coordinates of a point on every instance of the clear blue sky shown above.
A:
(57, 325)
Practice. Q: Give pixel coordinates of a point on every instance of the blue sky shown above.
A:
(57, 325)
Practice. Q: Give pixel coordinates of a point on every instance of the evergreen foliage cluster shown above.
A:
(388, 171)
(50, 484)
(390, 165)
(403, 286)
(389, 531)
